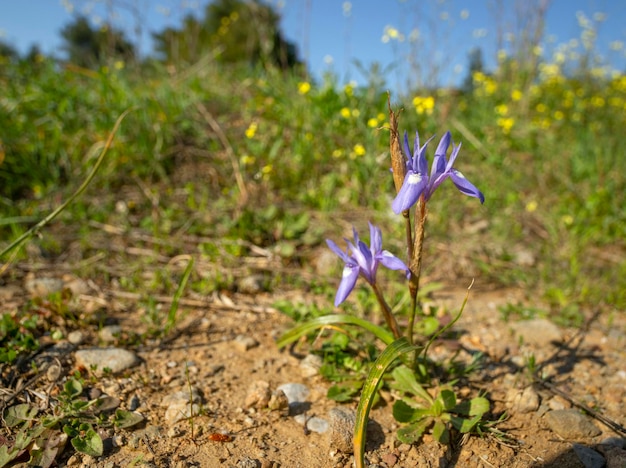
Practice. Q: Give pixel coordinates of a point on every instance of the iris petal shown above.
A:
(411, 189)
(348, 280)
(465, 186)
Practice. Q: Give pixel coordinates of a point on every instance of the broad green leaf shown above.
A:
(448, 399)
(90, 443)
(404, 379)
(73, 388)
(124, 419)
(403, 412)
(474, 407)
(7, 455)
(413, 432)
(395, 350)
(18, 414)
(330, 320)
(441, 433)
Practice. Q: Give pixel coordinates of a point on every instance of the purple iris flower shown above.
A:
(417, 182)
(364, 261)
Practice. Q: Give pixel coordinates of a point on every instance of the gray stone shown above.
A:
(525, 401)
(342, 422)
(615, 456)
(310, 365)
(313, 424)
(114, 359)
(247, 462)
(589, 457)
(571, 424)
(295, 392)
(538, 332)
(76, 337)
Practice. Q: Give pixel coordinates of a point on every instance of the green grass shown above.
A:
(275, 156)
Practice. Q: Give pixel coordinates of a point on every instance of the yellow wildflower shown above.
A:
(251, 130)
(372, 123)
(359, 149)
(502, 109)
(424, 105)
(345, 113)
(506, 124)
(516, 95)
(304, 87)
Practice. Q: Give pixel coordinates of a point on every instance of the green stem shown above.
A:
(389, 317)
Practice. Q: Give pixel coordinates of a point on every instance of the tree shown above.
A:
(8, 53)
(91, 47)
(238, 30)
(475, 64)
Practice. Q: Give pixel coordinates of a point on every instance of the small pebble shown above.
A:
(114, 359)
(310, 365)
(244, 343)
(342, 422)
(76, 337)
(259, 395)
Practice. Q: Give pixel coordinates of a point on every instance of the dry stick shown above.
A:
(243, 191)
(415, 264)
(35, 229)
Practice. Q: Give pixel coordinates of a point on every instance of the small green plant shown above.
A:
(415, 185)
(74, 418)
(439, 413)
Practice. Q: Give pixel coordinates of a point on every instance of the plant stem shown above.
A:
(389, 317)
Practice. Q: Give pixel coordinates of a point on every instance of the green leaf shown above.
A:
(7, 455)
(19, 413)
(343, 392)
(464, 425)
(90, 443)
(441, 433)
(404, 380)
(413, 432)
(395, 350)
(403, 412)
(73, 388)
(330, 320)
(426, 326)
(474, 407)
(124, 419)
(448, 399)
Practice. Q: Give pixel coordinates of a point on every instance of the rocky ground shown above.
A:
(209, 393)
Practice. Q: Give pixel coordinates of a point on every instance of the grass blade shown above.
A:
(389, 355)
(327, 320)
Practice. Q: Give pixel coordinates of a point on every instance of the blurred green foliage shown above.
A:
(273, 146)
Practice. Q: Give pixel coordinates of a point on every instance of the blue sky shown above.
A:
(433, 36)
